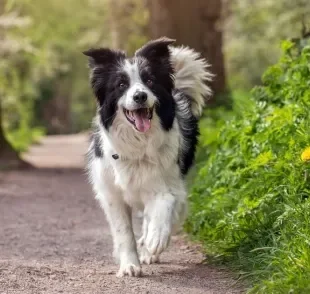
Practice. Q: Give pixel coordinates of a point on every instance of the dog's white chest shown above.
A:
(135, 174)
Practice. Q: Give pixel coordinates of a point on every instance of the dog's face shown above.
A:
(134, 89)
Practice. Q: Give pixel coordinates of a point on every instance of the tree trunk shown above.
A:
(194, 23)
(8, 156)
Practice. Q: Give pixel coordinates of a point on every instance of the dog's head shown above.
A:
(134, 89)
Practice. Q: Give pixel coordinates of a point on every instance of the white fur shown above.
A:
(149, 180)
(191, 75)
(146, 175)
(136, 85)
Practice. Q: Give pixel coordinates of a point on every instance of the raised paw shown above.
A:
(129, 270)
(157, 239)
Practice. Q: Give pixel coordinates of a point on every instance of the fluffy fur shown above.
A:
(139, 161)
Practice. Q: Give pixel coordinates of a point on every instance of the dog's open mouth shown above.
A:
(140, 118)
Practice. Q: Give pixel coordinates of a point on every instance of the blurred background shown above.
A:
(44, 77)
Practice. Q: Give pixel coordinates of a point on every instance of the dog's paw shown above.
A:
(157, 239)
(147, 258)
(129, 269)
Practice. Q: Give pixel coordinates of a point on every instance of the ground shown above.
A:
(54, 237)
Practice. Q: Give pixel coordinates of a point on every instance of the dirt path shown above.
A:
(54, 237)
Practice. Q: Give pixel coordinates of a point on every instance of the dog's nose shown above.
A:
(140, 97)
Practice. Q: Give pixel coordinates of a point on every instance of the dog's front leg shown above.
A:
(159, 214)
(144, 255)
(119, 217)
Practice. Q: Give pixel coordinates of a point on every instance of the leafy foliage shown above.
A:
(253, 30)
(250, 200)
(43, 75)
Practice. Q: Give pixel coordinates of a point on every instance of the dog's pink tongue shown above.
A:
(142, 121)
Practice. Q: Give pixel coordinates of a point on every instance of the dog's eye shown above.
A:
(149, 82)
(122, 85)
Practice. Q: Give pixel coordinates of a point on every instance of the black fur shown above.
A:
(96, 149)
(106, 79)
(97, 146)
(154, 64)
(189, 128)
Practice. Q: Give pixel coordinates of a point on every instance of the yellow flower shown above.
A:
(305, 156)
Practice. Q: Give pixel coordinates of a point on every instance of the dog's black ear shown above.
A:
(156, 48)
(103, 56)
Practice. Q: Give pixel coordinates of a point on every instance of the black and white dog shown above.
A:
(144, 141)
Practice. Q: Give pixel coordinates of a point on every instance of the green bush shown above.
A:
(249, 202)
(22, 138)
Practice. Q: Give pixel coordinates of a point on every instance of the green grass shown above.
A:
(249, 201)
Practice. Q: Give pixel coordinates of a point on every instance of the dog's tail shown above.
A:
(191, 74)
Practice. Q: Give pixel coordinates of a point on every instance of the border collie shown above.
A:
(144, 141)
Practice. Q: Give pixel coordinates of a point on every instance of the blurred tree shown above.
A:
(59, 46)
(128, 24)
(194, 23)
(253, 33)
(46, 81)
(8, 156)
(43, 75)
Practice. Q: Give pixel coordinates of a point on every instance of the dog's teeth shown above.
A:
(149, 113)
(132, 116)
